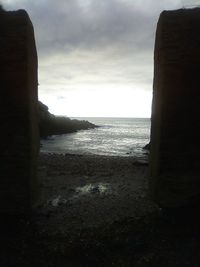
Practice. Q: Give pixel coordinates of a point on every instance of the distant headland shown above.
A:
(50, 124)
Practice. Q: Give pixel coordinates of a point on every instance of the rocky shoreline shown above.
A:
(50, 124)
(91, 190)
(96, 211)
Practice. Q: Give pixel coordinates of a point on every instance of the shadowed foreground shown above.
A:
(95, 211)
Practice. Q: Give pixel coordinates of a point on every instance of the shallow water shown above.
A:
(114, 137)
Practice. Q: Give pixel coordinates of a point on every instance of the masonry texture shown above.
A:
(19, 126)
(175, 133)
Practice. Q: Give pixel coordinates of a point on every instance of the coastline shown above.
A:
(91, 190)
(114, 137)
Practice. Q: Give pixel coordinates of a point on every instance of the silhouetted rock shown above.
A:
(1, 8)
(19, 110)
(50, 124)
(147, 146)
(175, 127)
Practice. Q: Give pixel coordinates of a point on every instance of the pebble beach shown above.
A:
(88, 191)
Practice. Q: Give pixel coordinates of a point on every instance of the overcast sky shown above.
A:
(95, 56)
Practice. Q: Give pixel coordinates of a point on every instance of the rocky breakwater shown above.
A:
(50, 124)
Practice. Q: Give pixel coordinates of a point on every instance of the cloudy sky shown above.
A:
(95, 56)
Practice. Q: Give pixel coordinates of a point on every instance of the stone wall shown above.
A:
(19, 125)
(175, 132)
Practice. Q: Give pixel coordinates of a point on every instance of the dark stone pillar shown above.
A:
(19, 126)
(175, 132)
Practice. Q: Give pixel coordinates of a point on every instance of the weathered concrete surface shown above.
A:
(175, 133)
(18, 110)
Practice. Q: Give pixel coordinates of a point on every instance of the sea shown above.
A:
(114, 137)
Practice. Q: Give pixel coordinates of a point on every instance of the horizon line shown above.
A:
(109, 117)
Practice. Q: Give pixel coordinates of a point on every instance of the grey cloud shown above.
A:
(94, 41)
(65, 25)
